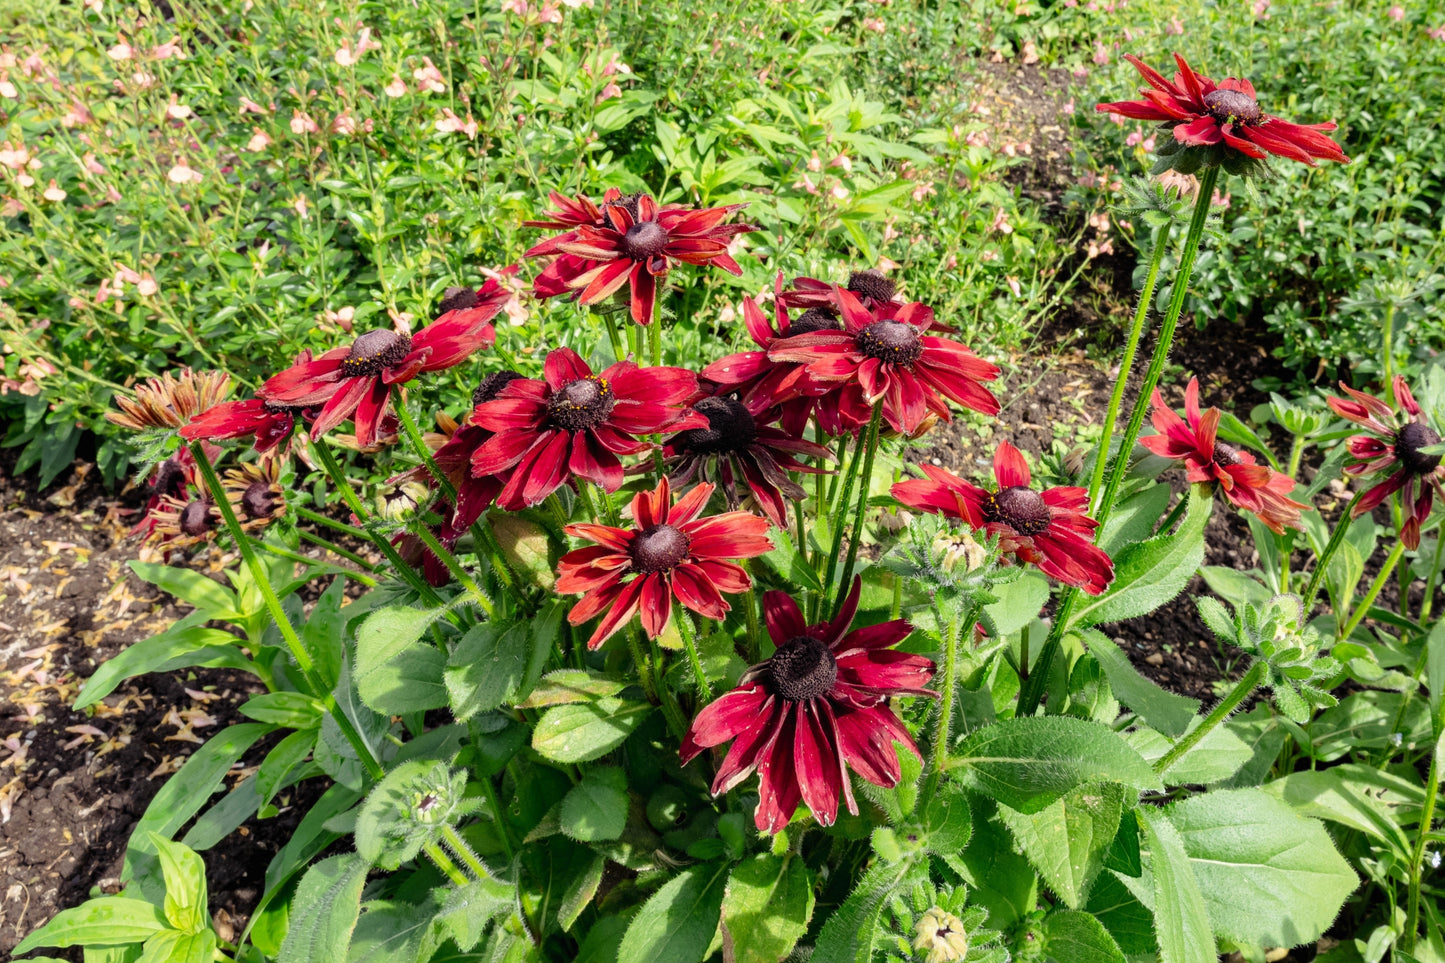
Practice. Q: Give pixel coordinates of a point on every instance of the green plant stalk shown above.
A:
(335, 549)
(504, 832)
(286, 553)
(750, 614)
(670, 709)
(1428, 602)
(689, 643)
(1241, 691)
(838, 512)
(644, 666)
(454, 566)
(864, 486)
(1286, 541)
(1387, 346)
(278, 614)
(464, 852)
(1417, 857)
(938, 753)
(444, 863)
(1032, 691)
(654, 341)
(353, 501)
(1337, 538)
(1126, 363)
(1391, 561)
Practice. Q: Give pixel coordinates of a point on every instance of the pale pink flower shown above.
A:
(951, 262)
(343, 319)
(121, 51)
(842, 160)
(977, 138)
(78, 116)
(182, 173)
(1117, 118)
(839, 192)
(143, 79)
(396, 88)
(301, 122)
(515, 309)
(806, 183)
(54, 192)
(1031, 52)
(300, 207)
(1174, 28)
(613, 65)
(1096, 248)
(1261, 8)
(518, 7)
(1396, 13)
(345, 124)
(1219, 201)
(7, 88)
(815, 163)
(429, 77)
(550, 13)
(1148, 144)
(15, 158)
(92, 165)
(168, 50)
(11, 207)
(1013, 285)
(112, 195)
(1068, 107)
(95, 6)
(450, 123)
(1134, 138)
(608, 92)
(346, 56)
(1101, 53)
(923, 189)
(259, 141)
(177, 110)
(890, 233)
(886, 264)
(1001, 222)
(1437, 34)
(249, 106)
(874, 24)
(1080, 71)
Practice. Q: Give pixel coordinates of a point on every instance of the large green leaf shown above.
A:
(1352, 796)
(324, 634)
(206, 594)
(181, 646)
(1018, 604)
(1150, 573)
(766, 908)
(387, 633)
(1215, 758)
(1071, 936)
(173, 946)
(1027, 764)
(410, 682)
(596, 808)
(467, 910)
(1270, 876)
(1159, 708)
(186, 905)
(677, 922)
(1067, 840)
(578, 733)
(1181, 919)
(1435, 666)
(107, 921)
(486, 667)
(849, 934)
(324, 911)
(1134, 518)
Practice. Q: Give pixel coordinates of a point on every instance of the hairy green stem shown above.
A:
(1032, 691)
(278, 615)
(281, 551)
(464, 852)
(1337, 538)
(865, 486)
(1241, 691)
(454, 565)
(862, 453)
(1432, 579)
(1391, 561)
(938, 754)
(337, 550)
(689, 643)
(444, 863)
(1126, 364)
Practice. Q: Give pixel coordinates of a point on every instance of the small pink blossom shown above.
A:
(92, 165)
(1437, 34)
(874, 24)
(977, 138)
(7, 88)
(121, 51)
(95, 6)
(608, 92)
(301, 122)
(1030, 52)
(1175, 27)
(843, 161)
(177, 110)
(15, 158)
(300, 207)
(249, 106)
(450, 123)
(923, 189)
(1068, 108)
(518, 7)
(839, 192)
(1101, 53)
(989, 256)
(1219, 201)
(347, 56)
(1000, 222)
(806, 183)
(259, 141)
(78, 115)
(54, 192)
(143, 79)
(171, 49)
(429, 77)
(887, 264)
(1013, 285)
(1261, 8)
(345, 124)
(182, 173)
(396, 88)
(343, 319)
(1396, 13)
(1134, 138)
(815, 163)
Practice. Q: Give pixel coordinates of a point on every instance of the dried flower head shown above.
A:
(170, 402)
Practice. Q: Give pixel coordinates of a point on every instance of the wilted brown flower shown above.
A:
(254, 490)
(170, 401)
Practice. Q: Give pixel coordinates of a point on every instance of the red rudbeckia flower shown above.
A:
(817, 707)
(1223, 121)
(1194, 440)
(636, 246)
(268, 423)
(577, 423)
(570, 214)
(1395, 447)
(1045, 528)
(885, 354)
(763, 383)
(355, 382)
(737, 444)
(871, 286)
(671, 553)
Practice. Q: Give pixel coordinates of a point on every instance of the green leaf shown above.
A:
(579, 733)
(387, 834)
(388, 632)
(677, 922)
(310, 837)
(596, 808)
(948, 821)
(1067, 840)
(324, 911)
(1350, 795)
(1071, 936)
(1270, 876)
(566, 686)
(206, 594)
(545, 628)
(186, 904)
(467, 910)
(1153, 572)
(1366, 720)
(1215, 758)
(294, 710)
(1028, 763)
(324, 634)
(580, 891)
(788, 564)
(173, 946)
(849, 934)
(1235, 586)
(766, 908)
(389, 931)
(486, 667)
(1181, 920)
(1018, 603)
(281, 761)
(1128, 920)
(1159, 708)
(107, 921)
(179, 647)
(1435, 665)
(411, 682)
(1133, 519)
(188, 790)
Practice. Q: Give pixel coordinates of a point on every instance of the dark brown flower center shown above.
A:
(659, 549)
(892, 342)
(492, 386)
(170, 478)
(581, 404)
(259, 501)
(1411, 438)
(803, 669)
(456, 299)
(730, 428)
(644, 240)
(628, 203)
(1020, 508)
(814, 319)
(374, 352)
(196, 518)
(1233, 106)
(872, 284)
(1225, 455)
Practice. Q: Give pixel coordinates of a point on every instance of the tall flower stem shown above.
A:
(1032, 692)
(444, 863)
(750, 613)
(278, 614)
(838, 511)
(1428, 602)
(337, 550)
(1286, 541)
(353, 501)
(1391, 561)
(938, 753)
(689, 643)
(464, 852)
(455, 567)
(327, 521)
(1387, 348)
(1337, 538)
(1126, 363)
(654, 341)
(1417, 856)
(286, 553)
(870, 449)
(1241, 691)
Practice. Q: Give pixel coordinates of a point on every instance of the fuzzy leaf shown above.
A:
(1067, 840)
(596, 808)
(486, 667)
(677, 922)
(1181, 919)
(324, 911)
(1071, 936)
(1158, 707)
(106, 921)
(579, 733)
(766, 908)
